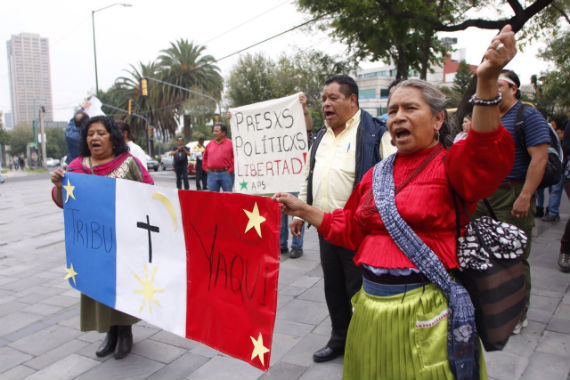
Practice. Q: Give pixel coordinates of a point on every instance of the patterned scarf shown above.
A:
(462, 340)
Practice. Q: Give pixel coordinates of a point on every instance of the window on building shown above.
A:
(384, 93)
(367, 94)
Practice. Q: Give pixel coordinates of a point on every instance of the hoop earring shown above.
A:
(436, 136)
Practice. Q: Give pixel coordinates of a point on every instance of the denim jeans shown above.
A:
(217, 180)
(297, 242)
(181, 175)
(554, 198)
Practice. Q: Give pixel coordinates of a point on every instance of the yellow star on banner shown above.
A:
(255, 220)
(69, 191)
(259, 349)
(148, 289)
(71, 273)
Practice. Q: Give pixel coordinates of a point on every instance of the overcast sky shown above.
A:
(127, 35)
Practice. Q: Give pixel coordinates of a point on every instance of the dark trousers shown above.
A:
(342, 280)
(181, 174)
(201, 176)
(565, 241)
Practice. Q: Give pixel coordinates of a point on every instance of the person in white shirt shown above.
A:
(134, 149)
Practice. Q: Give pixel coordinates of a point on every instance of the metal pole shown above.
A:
(44, 158)
(95, 53)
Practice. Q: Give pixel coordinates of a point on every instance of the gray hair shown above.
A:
(436, 101)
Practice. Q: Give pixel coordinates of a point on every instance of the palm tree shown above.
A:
(184, 65)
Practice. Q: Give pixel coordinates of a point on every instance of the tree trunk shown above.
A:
(187, 129)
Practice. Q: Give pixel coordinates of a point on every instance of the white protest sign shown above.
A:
(94, 107)
(270, 146)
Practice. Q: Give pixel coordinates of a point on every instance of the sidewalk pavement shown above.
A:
(39, 313)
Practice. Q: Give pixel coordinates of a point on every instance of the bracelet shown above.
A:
(476, 101)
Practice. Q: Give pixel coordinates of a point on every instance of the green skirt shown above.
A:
(403, 336)
(99, 317)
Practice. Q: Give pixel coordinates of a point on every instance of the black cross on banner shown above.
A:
(150, 229)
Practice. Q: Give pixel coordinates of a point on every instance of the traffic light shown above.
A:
(130, 106)
(151, 129)
(216, 118)
(144, 87)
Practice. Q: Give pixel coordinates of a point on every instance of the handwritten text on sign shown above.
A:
(270, 145)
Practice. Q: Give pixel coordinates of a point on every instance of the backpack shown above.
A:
(553, 170)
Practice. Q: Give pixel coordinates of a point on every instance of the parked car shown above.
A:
(166, 161)
(192, 168)
(52, 162)
(151, 163)
(62, 162)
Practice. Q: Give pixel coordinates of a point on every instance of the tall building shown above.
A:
(30, 78)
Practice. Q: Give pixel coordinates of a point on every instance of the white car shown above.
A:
(52, 162)
(166, 161)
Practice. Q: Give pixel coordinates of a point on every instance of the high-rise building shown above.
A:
(30, 78)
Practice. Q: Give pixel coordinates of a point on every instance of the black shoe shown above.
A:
(124, 342)
(539, 212)
(564, 262)
(109, 343)
(551, 218)
(284, 250)
(326, 353)
(295, 253)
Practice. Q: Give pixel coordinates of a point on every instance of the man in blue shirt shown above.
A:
(515, 201)
(73, 134)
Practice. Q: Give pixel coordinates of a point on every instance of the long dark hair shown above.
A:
(119, 145)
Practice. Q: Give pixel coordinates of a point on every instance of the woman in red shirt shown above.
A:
(405, 309)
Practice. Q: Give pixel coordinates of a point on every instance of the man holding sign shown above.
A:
(343, 150)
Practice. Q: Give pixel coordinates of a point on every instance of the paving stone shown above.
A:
(281, 344)
(324, 328)
(10, 358)
(203, 350)
(282, 300)
(180, 368)
(131, 367)
(226, 368)
(62, 300)
(330, 371)
(41, 309)
(314, 294)
(302, 353)
(305, 282)
(64, 369)
(16, 321)
(547, 366)
(11, 306)
(524, 344)
(555, 343)
(17, 373)
(45, 340)
(161, 352)
(173, 339)
(286, 327)
(284, 371)
(505, 365)
(46, 359)
(303, 312)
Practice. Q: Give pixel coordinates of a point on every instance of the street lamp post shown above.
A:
(94, 45)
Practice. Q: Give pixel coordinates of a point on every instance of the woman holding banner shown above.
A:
(103, 151)
(411, 320)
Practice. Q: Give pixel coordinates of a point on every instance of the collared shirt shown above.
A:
(219, 156)
(335, 166)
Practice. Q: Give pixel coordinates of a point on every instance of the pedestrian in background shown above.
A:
(201, 175)
(218, 160)
(180, 163)
(134, 149)
(73, 132)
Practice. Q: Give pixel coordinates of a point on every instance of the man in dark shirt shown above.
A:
(180, 163)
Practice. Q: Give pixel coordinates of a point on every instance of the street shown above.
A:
(39, 313)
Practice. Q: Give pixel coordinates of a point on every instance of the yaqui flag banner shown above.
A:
(270, 146)
(202, 265)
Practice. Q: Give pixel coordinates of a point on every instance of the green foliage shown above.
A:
(4, 137)
(20, 136)
(55, 146)
(553, 87)
(256, 78)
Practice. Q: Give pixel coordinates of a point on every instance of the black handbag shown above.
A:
(489, 256)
